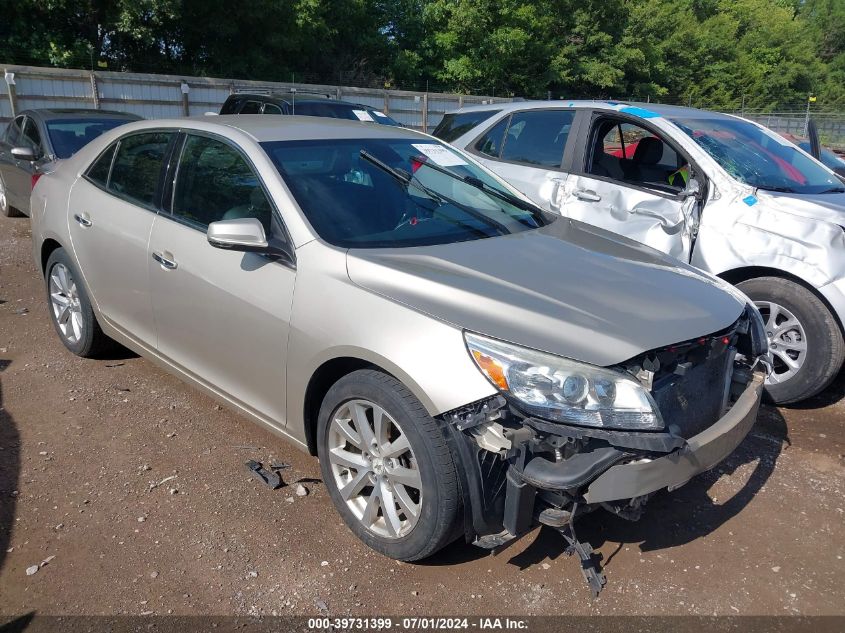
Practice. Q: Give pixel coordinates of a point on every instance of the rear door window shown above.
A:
(538, 137)
(272, 108)
(457, 124)
(136, 173)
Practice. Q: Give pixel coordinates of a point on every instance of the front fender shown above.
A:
(332, 317)
(743, 231)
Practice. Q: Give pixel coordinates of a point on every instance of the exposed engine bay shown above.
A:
(521, 471)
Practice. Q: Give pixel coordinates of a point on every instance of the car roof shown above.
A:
(663, 110)
(263, 128)
(46, 114)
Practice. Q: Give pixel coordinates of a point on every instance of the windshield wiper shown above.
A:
(409, 180)
(477, 183)
(834, 190)
(778, 189)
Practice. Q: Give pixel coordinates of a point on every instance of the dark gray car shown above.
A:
(36, 138)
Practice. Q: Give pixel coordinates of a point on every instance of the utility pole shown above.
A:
(810, 99)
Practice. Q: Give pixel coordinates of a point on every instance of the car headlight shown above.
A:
(563, 390)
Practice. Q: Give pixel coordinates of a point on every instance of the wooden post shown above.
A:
(460, 101)
(425, 113)
(387, 102)
(13, 95)
(186, 106)
(95, 91)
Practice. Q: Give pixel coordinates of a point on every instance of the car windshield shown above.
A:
(68, 136)
(383, 193)
(757, 157)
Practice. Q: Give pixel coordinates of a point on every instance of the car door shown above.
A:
(527, 149)
(222, 316)
(23, 170)
(110, 214)
(630, 179)
(16, 174)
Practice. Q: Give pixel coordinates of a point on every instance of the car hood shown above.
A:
(829, 207)
(567, 288)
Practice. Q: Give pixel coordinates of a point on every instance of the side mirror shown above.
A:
(25, 153)
(241, 234)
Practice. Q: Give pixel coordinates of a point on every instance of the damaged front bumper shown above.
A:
(519, 471)
(701, 452)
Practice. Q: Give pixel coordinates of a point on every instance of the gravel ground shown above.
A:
(125, 491)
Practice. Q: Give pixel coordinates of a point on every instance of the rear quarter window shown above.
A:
(98, 173)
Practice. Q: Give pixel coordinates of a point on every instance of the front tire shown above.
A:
(6, 209)
(70, 308)
(387, 466)
(804, 338)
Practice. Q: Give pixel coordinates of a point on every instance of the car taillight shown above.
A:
(35, 178)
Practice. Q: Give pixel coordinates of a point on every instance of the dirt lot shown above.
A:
(83, 443)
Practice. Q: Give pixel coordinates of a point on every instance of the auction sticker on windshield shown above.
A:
(439, 154)
(362, 115)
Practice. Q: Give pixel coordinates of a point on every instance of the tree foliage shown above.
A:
(765, 54)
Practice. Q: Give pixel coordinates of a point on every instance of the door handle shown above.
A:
(166, 263)
(587, 195)
(82, 219)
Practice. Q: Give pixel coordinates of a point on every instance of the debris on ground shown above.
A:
(301, 491)
(270, 478)
(155, 485)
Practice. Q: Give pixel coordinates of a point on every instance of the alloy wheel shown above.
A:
(787, 341)
(65, 302)
(374, 468)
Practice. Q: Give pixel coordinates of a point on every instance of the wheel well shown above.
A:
(738, 275)
(326, 375)
(47, 249)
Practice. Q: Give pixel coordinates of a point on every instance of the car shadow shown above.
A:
(116, 352)
(834, 393)
(10, 465)
(669, 519)
(17, 624)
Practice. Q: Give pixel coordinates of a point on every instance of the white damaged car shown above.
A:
(722, 193)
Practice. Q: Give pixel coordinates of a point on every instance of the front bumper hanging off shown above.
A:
(701, 452)
(510, 492)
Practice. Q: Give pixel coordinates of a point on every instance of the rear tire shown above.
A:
(365, 467)
(804, 338)
(70, 308)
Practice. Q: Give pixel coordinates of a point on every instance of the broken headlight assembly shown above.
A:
(564, 390)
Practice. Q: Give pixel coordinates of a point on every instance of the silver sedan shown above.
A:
(462, 362)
